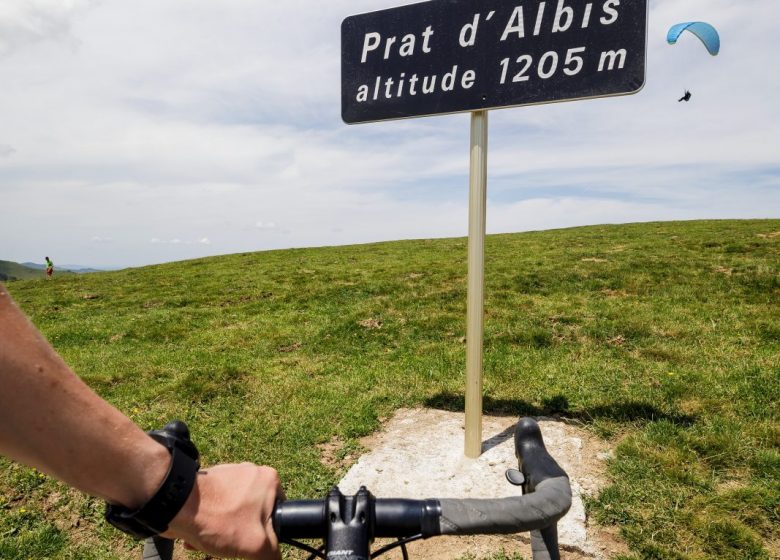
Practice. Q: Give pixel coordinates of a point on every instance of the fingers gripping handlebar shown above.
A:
(348, 524)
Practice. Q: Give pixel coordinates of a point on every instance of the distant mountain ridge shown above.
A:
(15, 271)
(77, 268)
(10, 270)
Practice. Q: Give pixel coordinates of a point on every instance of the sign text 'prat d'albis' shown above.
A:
(447, 56)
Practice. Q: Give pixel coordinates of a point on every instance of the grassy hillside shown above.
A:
(15, 271)
(663, 338)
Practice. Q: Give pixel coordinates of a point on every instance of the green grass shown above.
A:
(663, 338)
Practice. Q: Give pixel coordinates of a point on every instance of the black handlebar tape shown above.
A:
(300, 519)
(544, 544)
(405, 518)
(538, 510)
(158, 548)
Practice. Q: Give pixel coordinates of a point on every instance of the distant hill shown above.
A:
(30, 271)
(36, 266)
(77, 268)
(15, 271)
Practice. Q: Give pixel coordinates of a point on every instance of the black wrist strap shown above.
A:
(153, 517)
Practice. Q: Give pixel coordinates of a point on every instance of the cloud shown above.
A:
(178, 241)
(186, 118)
(26, 22)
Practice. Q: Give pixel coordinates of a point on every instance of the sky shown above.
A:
(134, 133)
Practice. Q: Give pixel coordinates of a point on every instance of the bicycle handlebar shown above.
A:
(348, 524)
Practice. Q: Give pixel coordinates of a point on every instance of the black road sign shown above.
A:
(447, 56)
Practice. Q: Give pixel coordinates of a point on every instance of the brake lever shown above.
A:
(536, 463)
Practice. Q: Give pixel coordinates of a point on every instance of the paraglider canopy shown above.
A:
(704, 31)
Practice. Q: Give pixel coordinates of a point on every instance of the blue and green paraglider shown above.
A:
(706, 33)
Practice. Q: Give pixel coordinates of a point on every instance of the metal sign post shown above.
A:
(475, 313)
(452, 56)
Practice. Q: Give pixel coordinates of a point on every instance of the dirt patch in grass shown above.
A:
(773, 547)
(614, 293)
(480, 546)
(290, 347)
(618, 340)
(332, 454)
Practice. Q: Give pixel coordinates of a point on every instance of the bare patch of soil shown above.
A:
(449, 548)
(614, 293)
(618, 340)
(370, 323)
(332, 455)
(290, 348)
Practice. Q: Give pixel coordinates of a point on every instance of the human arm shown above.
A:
(51, 420)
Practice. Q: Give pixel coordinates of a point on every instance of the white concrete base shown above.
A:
(419, 454)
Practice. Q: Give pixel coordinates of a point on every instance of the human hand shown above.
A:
(228, 513)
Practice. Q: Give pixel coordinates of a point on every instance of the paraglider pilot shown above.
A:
(706, 33)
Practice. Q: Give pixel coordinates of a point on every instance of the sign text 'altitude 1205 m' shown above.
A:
(448, 56)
